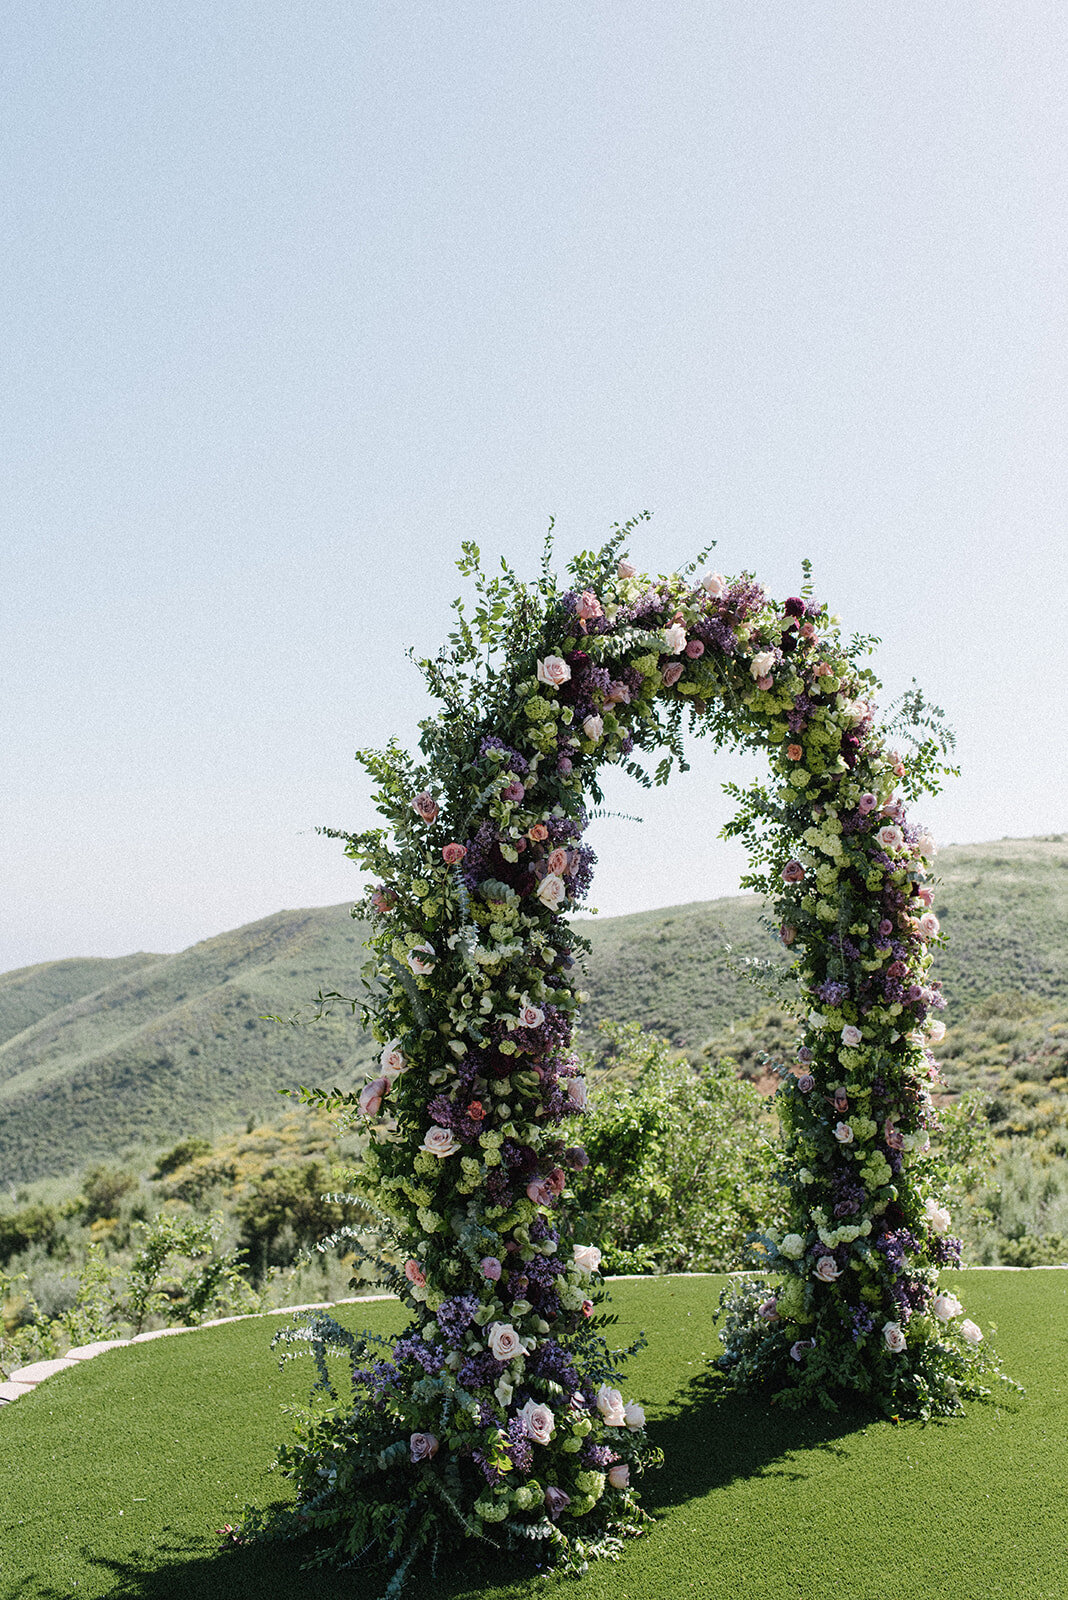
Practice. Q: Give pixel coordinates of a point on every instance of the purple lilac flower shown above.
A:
(519, 1446)
(832, 992)
(455, 1316)
(479, 1371)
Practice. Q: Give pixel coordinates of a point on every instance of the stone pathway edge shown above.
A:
(24, 1379)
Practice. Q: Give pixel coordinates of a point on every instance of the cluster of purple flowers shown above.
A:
(455, 1316)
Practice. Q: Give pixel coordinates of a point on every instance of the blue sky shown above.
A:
(297, 298)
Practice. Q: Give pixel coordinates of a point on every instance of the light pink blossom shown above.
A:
(423, 1447)
(893, 1337)
(827, 1269)
(504, 1342)
(438, 1141)
(714, 584)
(587, 1257)
(553, 671)
(552, 891)
(490, 1268)
(619, 1475)
(372, 1094)
(674, 638)
(851, 1036)
(414, 1273)
(671, 674)
(610, 1405)
(538, 1421)
(762, 663)
(625, 569)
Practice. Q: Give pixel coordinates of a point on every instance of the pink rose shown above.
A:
(371, 1096)
(530, 1016)
(393, 1059)
(490, 1268)
(588, 606)
(564, 765)
(619, 1475)
(806, 1083)
(866, 803)
(556, 861)
(610, 1405)
(827, 1269)
(552, 891)
(841, 1101)
(557, 1180)
(798, 1349)
(971, 1332)
(851, 1036)
(925, 896)
(423, 1447)
(762, 663)
(624, 569)
(671, 674)
(844, 1133)
(765, 682)
(890, 837)
(886, 928)
(504, 1342)
(787, 934)
(593, 728)
(893, 1337)
(414, 1273)
(694, 649)
(946, 1306)
(382, 900)
(714, 584)
(928, 925)
(634, 1415)
(617, 694)
(441, 1142)
(587, 1308)
(425, 805)
(538, 1422)
(793, 872)
(577, 1093)
(553, 671)
(540, 1192)
(769, 1310)
(675, 638)
(556, 1502)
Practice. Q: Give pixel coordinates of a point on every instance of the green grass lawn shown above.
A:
(115, 1475)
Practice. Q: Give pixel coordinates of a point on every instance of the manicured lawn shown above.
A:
(115, 1475)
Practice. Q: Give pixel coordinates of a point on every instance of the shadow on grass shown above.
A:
(710, 1438)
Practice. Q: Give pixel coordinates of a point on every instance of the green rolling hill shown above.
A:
(98, 1057)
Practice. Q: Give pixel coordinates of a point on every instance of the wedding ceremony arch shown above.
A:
(500, 1411)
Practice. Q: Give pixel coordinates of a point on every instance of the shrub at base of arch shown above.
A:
(498, 1413)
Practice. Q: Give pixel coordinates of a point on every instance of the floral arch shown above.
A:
(498, 1413)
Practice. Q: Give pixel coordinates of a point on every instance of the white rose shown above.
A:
(393, 1058)
(440, 1142)
(634, 1416)
(851, 1036)
(504, 1342)
(552, 891)
(625, 569)
(587, 1257)
(890, 838)
(971, 1332)
(675, 639)
(610, 1405)
(936, 1032)
(936, 1216)
(537, 1422)
(530, 1016)
(792, 1247)
(762, 663)
(554, 671)
(593, 728)
(926, 847)
(928, 925)
(422, 959)
(844, 1133)
(715, 584)
(827, 1269)
(893, 1337)
(945, 1306)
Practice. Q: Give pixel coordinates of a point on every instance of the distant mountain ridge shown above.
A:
(100, 1055)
